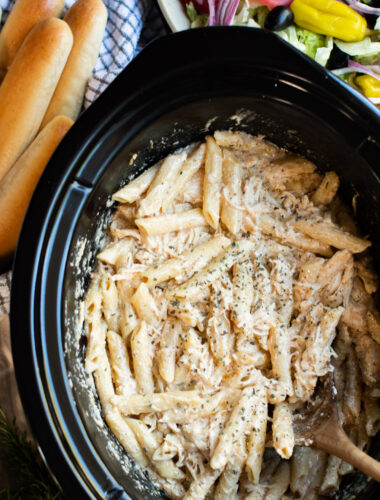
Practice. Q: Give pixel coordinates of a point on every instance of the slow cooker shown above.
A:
(177, 90)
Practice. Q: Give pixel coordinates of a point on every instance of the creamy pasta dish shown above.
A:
(232, 279)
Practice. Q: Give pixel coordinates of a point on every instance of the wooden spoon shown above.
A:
(318, 425)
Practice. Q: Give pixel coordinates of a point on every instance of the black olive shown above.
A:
(337, 59)
(279, 18)
(371, 20)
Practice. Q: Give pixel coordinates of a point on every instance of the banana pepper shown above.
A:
(369, 85)
(329, 17)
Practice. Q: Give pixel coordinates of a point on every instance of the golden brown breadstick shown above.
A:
(29, 85)
(87, 20)
(24, 15)
(17, 186)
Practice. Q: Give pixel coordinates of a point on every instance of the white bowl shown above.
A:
(175, 14)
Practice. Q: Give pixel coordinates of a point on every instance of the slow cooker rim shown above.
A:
(26, 284)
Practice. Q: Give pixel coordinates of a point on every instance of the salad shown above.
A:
(343, 36)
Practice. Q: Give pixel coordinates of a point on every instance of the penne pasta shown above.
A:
(134, 189)
(332, 477)
(112, 253)
(182, 414)
(123, 380)
(192, 164)
(110, 302)
(142, 355)
(212, 182)
(228, 483)
(96, 327)
(144, 304)
(222, 294)
(281, 173)
(168, 349)
(219, 331)
(316, 474)
(138, 403)
(279, 348)
(282, 430)
(239, 423)
(168, 223)
(149, 443)
(188, 290)
(126, 437)
(201, 486)
(243, 293)
(162, 182)
(327, 189)
(173, 488)
(306, 469)
(256, 440)
(232, 174)
(372, 414)
(187, 313)
(318, 345)
(277, 229)
(103, 378)
(332, 235)
(352, 397)
(127, 320)
(242, 141)
(191, 261)
(373, 323)
(280, 482)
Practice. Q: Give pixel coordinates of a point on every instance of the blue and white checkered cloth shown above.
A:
(131, 24)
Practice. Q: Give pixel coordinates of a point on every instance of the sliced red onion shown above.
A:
(276, 3)
(362, 7)
(368, 70)
(362, 69)
(221, 11)
(225, 11)
(231, 10)
(211, 17)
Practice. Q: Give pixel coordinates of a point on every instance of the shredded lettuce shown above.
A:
(317, 47)
(191, 12)
(345, 77)
(289, 34)
(377, 24)
(258, 14)
(368, 60)
(200, 21)
(244, 16)
(312, 41)
(196, 20)
(322, 54)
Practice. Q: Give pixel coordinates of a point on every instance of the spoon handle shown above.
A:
(334, 440)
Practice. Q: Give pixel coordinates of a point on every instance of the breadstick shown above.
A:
(29, 85)
(87, 20)
(17, 186)
(24, 15)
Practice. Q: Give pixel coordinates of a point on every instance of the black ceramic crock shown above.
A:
(179, 88)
